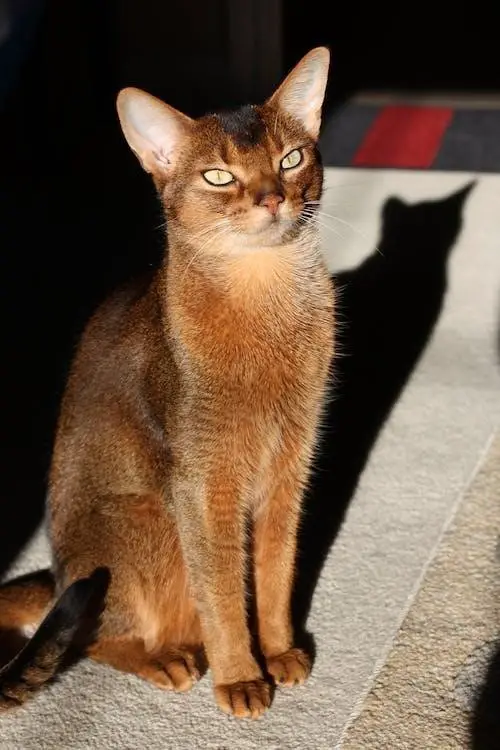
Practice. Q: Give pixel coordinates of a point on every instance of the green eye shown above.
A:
(292, 159)
(218, 177)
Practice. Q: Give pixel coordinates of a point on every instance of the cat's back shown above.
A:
(122, 326)
(112, 428)
(120, 351)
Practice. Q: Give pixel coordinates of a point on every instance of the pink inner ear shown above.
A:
(162, 158)
(301, 94)
(152, 128)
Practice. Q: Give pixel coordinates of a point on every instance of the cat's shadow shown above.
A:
(485, 717)
(388, 306)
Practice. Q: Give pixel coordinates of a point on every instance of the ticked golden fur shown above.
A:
(193, 405)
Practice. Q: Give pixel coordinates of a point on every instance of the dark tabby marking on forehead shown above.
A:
(244, 125)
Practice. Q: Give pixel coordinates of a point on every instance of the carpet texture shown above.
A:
(416, 407)
(427, 692)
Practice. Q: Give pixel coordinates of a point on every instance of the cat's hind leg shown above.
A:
(169, 669)
(149, 625)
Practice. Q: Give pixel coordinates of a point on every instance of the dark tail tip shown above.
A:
(83, 597)
(67, 629)
(82, 604)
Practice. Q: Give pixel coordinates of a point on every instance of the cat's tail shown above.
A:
(72, 619)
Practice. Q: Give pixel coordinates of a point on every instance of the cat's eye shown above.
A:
(218, 177)
(292, 159)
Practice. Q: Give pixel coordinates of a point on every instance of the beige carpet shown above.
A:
(421, 464)
(426, 693)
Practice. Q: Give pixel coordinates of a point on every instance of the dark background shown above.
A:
(202, 55)
(417, 46)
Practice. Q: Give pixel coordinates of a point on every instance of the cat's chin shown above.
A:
(272, 234)
(243, 241)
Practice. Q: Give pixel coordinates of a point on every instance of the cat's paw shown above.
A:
(179, 669)
(291, 668)
(244, 699)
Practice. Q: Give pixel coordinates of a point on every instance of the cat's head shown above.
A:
(253, 173)
(427, 229)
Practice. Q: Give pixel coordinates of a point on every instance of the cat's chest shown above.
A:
(258, 345)
(272, 342)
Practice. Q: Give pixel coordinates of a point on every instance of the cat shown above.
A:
(191, 413)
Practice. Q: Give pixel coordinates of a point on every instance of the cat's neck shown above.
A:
(243, 269)
(267, 290)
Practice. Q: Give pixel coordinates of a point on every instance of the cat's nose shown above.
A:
(271, 201)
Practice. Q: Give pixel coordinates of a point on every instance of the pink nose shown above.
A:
(271, 201)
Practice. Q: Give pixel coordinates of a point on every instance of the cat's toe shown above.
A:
(181, 669)
(291, 668)
(244, 699)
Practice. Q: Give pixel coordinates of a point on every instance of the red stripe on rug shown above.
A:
(404, 137)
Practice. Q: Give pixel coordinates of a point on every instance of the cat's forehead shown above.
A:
(245, 134)
(244, 126)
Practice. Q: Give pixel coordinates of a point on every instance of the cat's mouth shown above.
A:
(257, 228)
(275, 225)
(273, 231)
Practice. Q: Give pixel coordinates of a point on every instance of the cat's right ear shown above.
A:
(152, 128)
(302, 92)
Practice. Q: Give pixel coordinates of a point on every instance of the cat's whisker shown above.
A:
(207, 232)
(350, 226)
(311, 216)
(162, 225)
(216, 236)
(315, 220)
(339, 203)
(307, 213)
(195, 255)
(209, 229)
(317, 212)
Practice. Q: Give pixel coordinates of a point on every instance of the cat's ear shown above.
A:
(152, 128)
(302, 92)
(393, 207)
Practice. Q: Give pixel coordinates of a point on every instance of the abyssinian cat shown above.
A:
(190, 416)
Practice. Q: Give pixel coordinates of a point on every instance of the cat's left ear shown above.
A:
(302, 92)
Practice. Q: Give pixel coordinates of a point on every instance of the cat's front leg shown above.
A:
(212, 525)
(275, 543)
